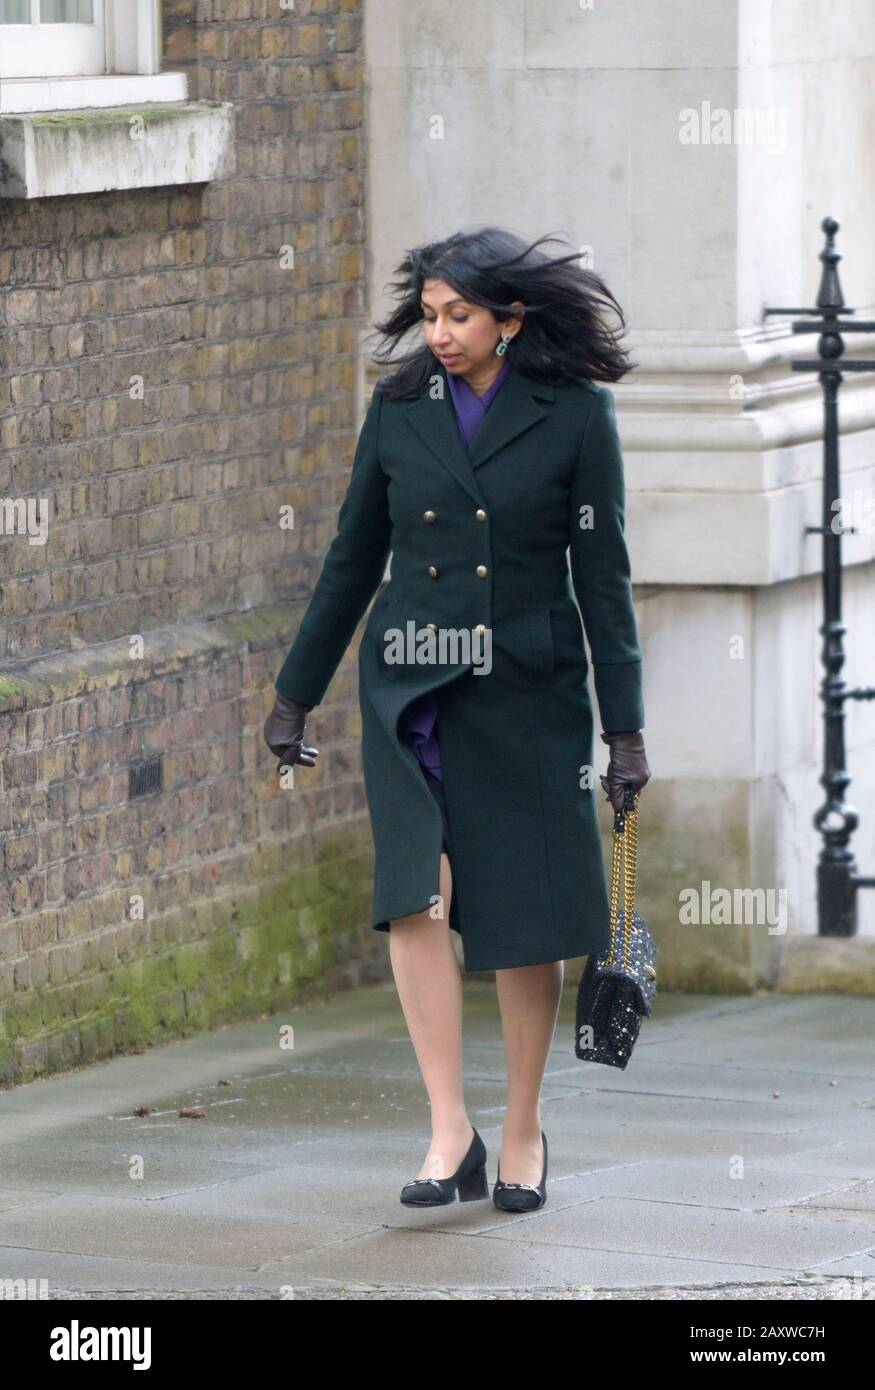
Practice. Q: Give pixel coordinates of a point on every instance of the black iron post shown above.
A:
(837, 878)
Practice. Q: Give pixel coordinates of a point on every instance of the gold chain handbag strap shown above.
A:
(625, 838)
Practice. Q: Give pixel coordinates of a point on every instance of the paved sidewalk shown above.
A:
(735, 1157)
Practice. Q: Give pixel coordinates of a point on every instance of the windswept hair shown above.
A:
(565, 330)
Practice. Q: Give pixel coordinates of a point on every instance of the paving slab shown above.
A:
(733, 1158)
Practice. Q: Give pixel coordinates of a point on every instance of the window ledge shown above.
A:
(50, 155)
(21, 94)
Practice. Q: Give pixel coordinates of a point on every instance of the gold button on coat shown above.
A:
(480, 514)
(433, 626)
(482, 571)
(429, 516)
(433, 571)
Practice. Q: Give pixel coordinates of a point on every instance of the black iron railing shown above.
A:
(837, 878)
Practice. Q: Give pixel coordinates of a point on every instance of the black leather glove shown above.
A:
(284, 733)
(627, 766)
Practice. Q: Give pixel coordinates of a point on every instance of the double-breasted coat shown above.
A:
(481, 539)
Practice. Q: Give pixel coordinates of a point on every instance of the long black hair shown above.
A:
(564, 329)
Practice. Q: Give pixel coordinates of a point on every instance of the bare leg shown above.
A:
(429, 985)
(528, 997)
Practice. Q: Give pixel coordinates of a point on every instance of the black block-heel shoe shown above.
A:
(521, 1196)
(469, 1180)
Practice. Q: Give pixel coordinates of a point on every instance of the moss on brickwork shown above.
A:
(10, 689)
(286, 936)
(118, 115)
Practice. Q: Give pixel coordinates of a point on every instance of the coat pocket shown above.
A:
(380, 620)
(396, 645)
(525, 638)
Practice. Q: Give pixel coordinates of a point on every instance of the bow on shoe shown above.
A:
(284, 733)
(627, 765)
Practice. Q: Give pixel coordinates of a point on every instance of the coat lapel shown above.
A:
(514, 410)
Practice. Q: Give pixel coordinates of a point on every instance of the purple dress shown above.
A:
(419, 720)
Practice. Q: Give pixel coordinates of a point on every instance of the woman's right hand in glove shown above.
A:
(284, 733)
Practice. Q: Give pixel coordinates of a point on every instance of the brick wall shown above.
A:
(171, 379)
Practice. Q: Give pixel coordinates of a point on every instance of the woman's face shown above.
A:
(462, 335)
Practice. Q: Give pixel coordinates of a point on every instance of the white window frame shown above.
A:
(38, 49)
(124, 42)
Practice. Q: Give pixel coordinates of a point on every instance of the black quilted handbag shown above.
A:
(617, 988)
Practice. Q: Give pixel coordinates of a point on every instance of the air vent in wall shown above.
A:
(145, 778)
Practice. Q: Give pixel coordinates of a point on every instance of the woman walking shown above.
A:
(486, 460)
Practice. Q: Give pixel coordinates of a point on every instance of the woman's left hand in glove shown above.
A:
(627, 766)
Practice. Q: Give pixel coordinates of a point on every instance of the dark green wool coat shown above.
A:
(480, 536)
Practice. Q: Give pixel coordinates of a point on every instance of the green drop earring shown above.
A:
(502, 346)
